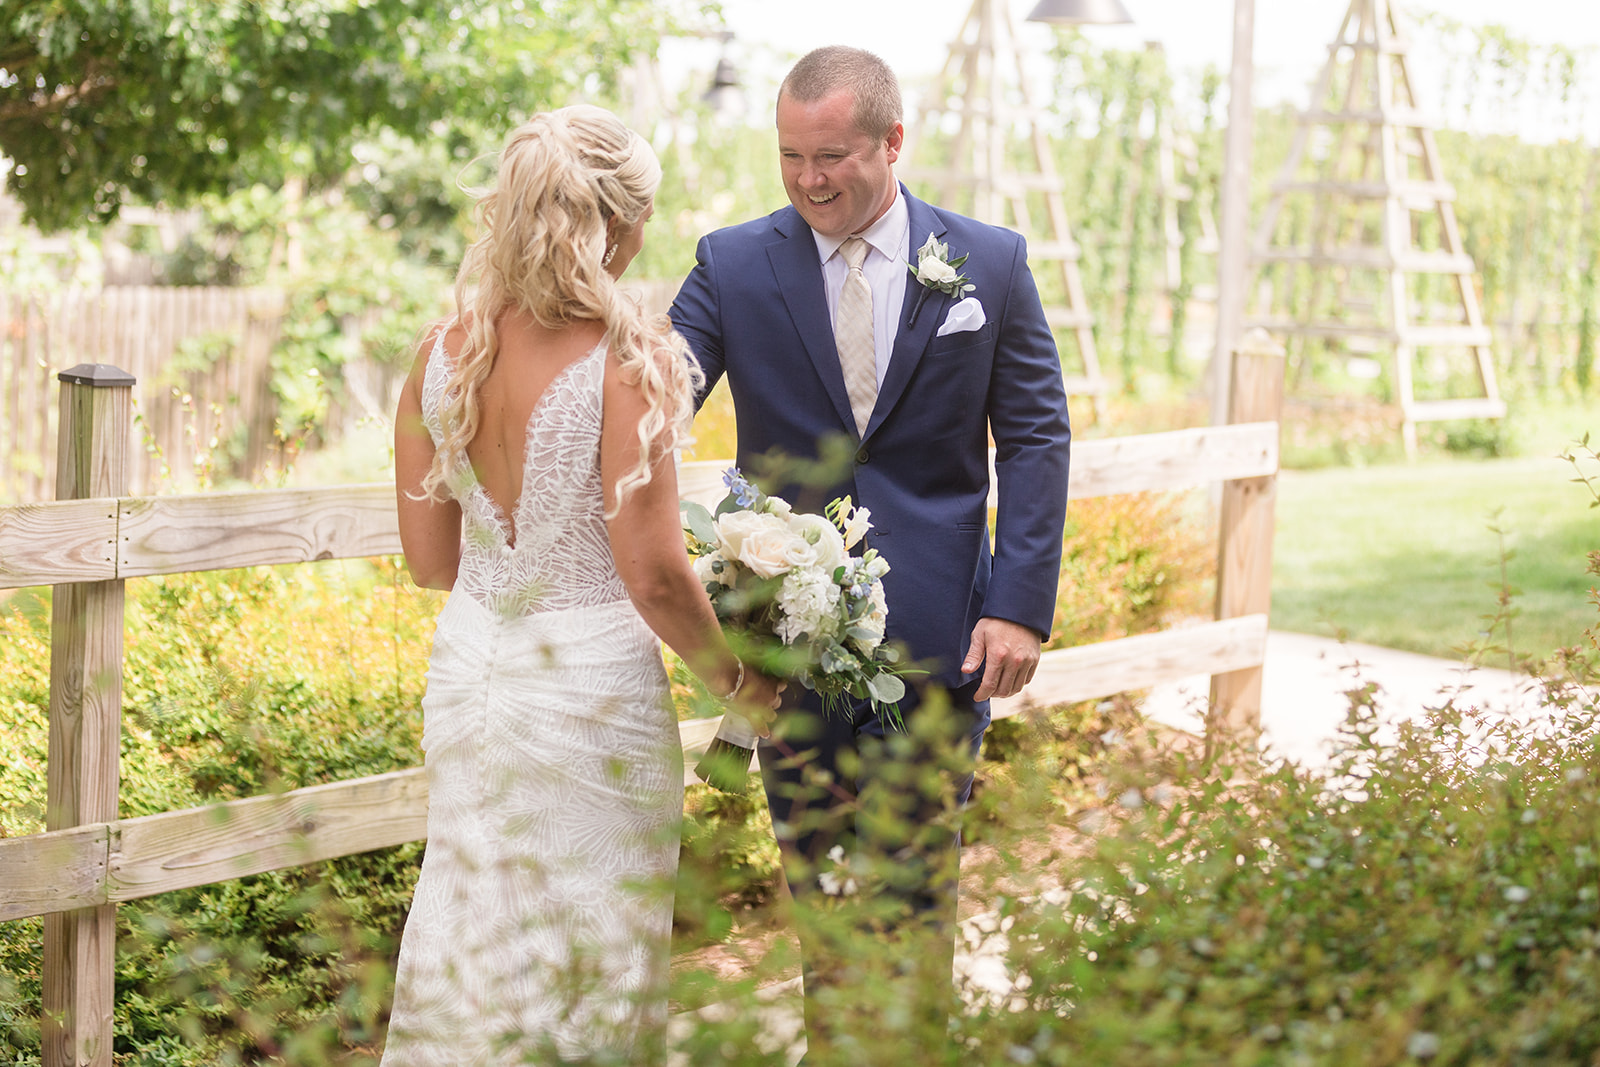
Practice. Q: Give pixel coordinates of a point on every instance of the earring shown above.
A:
(605, 260)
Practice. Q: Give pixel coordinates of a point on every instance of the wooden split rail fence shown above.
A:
(95, 536)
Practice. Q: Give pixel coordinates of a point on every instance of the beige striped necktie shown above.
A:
(852, 332)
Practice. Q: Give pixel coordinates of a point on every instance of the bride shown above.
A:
(534, 468)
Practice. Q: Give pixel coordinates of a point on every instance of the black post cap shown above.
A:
(97, 375)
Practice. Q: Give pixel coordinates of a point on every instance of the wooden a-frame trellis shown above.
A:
(983, 90)
(1178, 166)
(1370, 163)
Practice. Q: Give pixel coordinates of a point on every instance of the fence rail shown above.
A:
(88, 861)
(135, 537)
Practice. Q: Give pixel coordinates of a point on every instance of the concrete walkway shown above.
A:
(1306, 678)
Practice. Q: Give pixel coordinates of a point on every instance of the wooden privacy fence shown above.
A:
(97, 535)
(180, 402)
(141, 329)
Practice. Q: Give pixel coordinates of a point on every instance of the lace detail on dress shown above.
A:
(562, 555)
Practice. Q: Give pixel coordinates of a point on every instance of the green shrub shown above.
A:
(1435, 897)
(1130, 564)
(236, 684)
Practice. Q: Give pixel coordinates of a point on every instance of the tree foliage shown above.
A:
(105, 101)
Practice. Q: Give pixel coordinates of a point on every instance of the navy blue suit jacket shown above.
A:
(754, 309)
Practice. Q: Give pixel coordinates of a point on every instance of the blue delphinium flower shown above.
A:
(743, 491)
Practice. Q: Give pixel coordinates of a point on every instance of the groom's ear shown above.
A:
(893, 140)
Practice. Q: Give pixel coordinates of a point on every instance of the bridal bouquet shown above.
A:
(787, 590)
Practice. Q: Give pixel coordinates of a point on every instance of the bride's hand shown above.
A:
(758, 699)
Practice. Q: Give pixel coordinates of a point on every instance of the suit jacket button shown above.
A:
(862, 455)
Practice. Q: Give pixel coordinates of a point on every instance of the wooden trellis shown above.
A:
(1383, 238)
(979, 102)
(1179, 163)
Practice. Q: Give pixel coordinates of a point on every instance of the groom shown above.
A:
(823, 333)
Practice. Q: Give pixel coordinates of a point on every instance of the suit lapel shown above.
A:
(798, 272)
(910, 341)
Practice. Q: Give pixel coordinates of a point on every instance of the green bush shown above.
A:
(237, 684)
(1131, 564)
(1435, 897)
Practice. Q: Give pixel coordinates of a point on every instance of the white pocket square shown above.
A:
(964, 317)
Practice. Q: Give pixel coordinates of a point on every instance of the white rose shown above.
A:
(735, 526)
(824, 537)
(763, 543)
(932, 271)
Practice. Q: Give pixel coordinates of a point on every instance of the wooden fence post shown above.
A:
(85, 717)
(1244, 537)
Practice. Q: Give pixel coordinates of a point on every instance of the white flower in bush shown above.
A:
(832, 882)
(1423, 1045)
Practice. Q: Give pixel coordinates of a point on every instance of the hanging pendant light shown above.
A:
(724, 96)
(1081, 12)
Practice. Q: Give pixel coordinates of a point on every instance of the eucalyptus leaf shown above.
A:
(886, 688)
(699, 521)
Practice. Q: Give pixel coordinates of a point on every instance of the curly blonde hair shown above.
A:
(564, 176)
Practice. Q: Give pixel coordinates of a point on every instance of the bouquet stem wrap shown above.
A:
(726, 763)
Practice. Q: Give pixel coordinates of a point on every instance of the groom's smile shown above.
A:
(839, 177)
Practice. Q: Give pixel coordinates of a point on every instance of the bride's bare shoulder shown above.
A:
(453, 333)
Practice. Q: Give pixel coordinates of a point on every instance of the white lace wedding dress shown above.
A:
(541, 921)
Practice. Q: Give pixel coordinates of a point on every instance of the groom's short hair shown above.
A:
(824, 71)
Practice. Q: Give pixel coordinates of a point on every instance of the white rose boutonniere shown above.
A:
(936, 271)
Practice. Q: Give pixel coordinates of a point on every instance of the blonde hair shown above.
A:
(564, 176)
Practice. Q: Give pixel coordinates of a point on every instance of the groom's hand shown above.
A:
(1009, 652)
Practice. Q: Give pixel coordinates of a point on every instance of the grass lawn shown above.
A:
(1403, 557)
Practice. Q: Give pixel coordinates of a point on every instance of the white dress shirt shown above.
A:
(889, 241)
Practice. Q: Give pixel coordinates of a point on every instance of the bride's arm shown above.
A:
(647, 544)
(430, 530)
